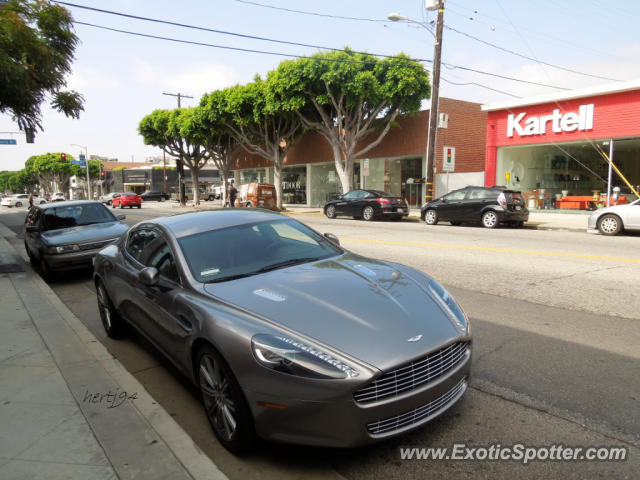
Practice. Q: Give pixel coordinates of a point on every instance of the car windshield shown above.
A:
(244, 250)
(67, 216)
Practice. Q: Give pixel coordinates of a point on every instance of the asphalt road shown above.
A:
(556, 324)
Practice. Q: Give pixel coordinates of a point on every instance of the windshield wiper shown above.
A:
(287, 263)
(231, 277)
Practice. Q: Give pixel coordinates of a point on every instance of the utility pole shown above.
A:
(179, 164)
(164, 171)
(179, 95)
(435, 97)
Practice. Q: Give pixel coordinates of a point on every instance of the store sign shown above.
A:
(365, 167)
(569, 122)
(449, 159)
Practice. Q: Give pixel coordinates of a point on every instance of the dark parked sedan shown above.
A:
(288, 336)
(488, 205)
(154, 195)
(67, 235)
(367, 204)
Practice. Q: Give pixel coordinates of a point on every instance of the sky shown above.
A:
(123, 77)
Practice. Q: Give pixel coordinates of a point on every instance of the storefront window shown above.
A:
(567, 175)
(294, 185)
(253, 175)
(401, 177)
(325, 184)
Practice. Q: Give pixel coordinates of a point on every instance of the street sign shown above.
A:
(77, 162)
(82, 158)
(449, 159)
(8, 141)
(365, 167)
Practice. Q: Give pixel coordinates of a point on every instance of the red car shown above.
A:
(127, 199)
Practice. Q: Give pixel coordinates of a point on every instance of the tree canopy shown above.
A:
(350, 98)
(37, 47)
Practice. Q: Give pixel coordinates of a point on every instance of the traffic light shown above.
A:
(63, 156)
(103, 174)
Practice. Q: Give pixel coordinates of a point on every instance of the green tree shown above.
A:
(170, 130)
(352, 99)
(51, 171)
(37, 45)
(259, 121)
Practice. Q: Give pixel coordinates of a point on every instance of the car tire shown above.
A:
(110, 203)
(610, 224)
(224, 402)
(18, 204)
(162, 199)
(368, 213)
(45, 270)
(111, 321)
(42, 202)
(455, 224)
(519, 224)
(490, 219)
(249, 205)
(139, 206)
(431, 217)
(121, 206)
(32, 258)
(330, 211)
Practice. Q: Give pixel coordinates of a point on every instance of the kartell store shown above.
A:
(554, 148)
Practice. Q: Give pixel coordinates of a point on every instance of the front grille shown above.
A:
(95, 245)
(418, 415)
(414, 374)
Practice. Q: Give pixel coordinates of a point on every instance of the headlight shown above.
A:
(450, 305)
(63, 249)
(297, 358)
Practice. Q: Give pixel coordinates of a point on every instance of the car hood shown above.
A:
(364, 308)
(85, 233)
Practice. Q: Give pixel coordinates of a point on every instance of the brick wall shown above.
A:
(466, 131)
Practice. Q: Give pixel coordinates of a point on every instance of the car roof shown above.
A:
(185, 224)
(68, 203)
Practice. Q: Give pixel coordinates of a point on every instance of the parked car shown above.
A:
(108, 198)
(21, 200)
(262, 195)
(57, 197)
(154, 195)
(288, 336)
(368, 205)
(488, 205)
(126, 199)
(64, 236)
(613, 220)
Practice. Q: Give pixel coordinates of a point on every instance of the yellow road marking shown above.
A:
(492, 249)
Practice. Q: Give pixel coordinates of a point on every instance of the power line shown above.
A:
(316, 14)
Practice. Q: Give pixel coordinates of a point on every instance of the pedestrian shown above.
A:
(30, 200)
(233, 193)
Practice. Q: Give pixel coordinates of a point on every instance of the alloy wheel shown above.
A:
(331, 211)
(431, 217)
(103, 307)
(610, 225)
(367, 213)
(218, 400)
(490, 219)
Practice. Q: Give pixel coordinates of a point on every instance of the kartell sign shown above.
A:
(522, 125)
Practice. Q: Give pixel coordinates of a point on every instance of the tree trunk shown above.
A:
(195, 185)
(343, 169)
(181, 192)
(277, 179)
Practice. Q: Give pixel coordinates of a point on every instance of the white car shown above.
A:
(58, 197)
(613, 220)
(21, 200)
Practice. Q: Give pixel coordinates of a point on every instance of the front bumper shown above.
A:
(71, 261)
(342, 422)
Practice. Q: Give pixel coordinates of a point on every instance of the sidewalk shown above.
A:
(68, 408)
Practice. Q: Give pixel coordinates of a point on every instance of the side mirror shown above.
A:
(148, 276)
(332, 238)
(340, 197)
(121, 217)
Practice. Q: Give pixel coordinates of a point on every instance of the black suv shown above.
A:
(487, 205)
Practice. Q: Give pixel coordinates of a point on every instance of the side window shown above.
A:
(352, 195)
(138, 241)
(479, 193)
(457, 195)
(159, 255)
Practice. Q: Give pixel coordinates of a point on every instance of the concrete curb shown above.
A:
(195, 462)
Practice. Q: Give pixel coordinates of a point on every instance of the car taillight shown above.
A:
(502, 200)
(383, 201)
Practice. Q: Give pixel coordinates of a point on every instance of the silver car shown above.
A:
(288, 336)
(613, 220)
(67, 235)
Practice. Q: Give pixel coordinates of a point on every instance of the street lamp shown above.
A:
(86, 166)
(435, 95)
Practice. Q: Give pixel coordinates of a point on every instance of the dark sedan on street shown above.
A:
(288, 336)
(154, 195)
(67, 235)
(368, 205)
(488, 205)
